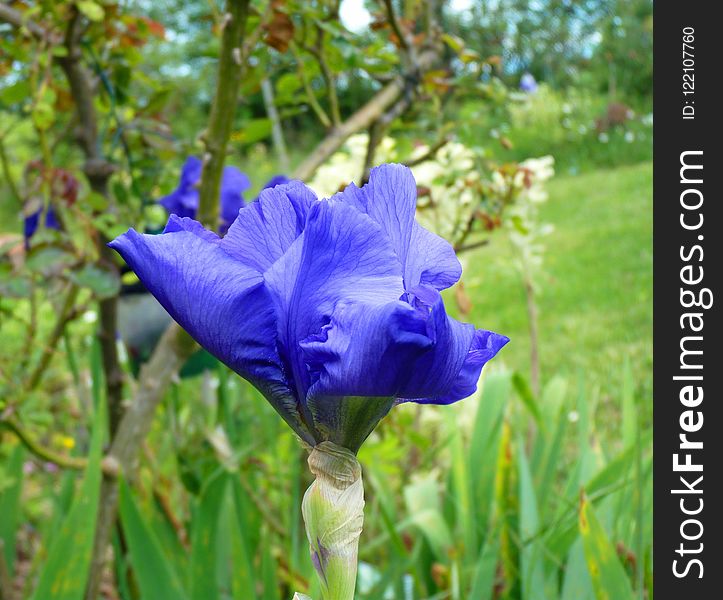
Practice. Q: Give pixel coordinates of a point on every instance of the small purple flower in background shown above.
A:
(528, 83)
(63, 188)
(331, 308)
(33, 220)
(183, 201)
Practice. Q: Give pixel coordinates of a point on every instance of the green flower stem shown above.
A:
(333, 510)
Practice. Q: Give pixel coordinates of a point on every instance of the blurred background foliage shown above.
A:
(537, 487)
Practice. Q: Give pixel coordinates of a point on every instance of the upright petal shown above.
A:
(390, 199)
(222, 303)
(431, 261)
(190, 172)
(51, 219)
(265, 229)
(341, 256)
(233, 184)
(182, 202)
(30, 224)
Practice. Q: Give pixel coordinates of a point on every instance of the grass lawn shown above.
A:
(595, 288)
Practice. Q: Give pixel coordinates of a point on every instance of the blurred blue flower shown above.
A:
(32, 221)
(528, 83)
(331, 308)
(63, 189)
(183, 201)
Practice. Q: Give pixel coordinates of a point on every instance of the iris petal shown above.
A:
(223, 304)
(450, 371)
(233, 184)
(341, 256)
(390, 199)
(485, 345)
(366, 350)
(30, 224)
(184, 200)
(431, 261)
(273, 182)
(264, 229)
(357, 364)
(190, 172)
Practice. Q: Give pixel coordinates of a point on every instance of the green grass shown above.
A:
(595, 286)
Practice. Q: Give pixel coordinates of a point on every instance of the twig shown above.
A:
(317, 51)
(378, 128)
(277, 130)
(430, 153)
(310, 95)
(17, 19)
(15, 192)
(376, 133)
(68, 312)
(98, 170)
(394, 23)
(473, 246)
(223, 109)
(46, 454)
(392, 93)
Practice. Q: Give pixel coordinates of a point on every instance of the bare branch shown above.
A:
(429, 154)
(68, 312)
(46, 454)
(393, 93)
(379, 127)
(277, 130)
(311, 97)
(376, 133)
(464, 248)
(396, 28)
(17, 19)
(317, 51)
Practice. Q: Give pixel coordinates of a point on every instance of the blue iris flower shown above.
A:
(183, 201)
(528, 83)
(331, 308)
(32, 222)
